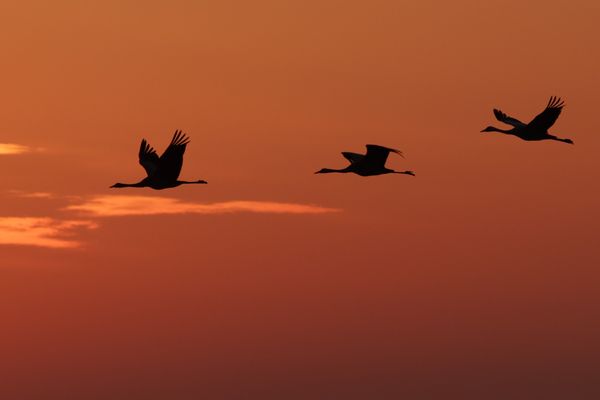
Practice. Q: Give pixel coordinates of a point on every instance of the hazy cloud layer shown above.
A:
(111, 206)
(41, 231)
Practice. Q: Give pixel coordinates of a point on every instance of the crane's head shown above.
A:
(489, 129)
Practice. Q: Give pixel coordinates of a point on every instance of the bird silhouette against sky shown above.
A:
(372, 163)
(162, 171)
(537, 129)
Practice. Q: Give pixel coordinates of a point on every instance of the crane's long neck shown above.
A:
(191, 182)
(330, 170)
(123, 185)
(494, 129)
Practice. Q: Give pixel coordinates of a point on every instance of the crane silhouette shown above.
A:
(162, 171)
(537, 129)
(372, 163)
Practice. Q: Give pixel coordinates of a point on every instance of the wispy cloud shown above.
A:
(13, 148)
(31, 195)
(41, 231)
(113, 206)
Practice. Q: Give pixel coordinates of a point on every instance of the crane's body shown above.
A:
(162, 172)
(369, 164)
(537, 129)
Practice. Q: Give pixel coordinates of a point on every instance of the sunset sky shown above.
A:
(477, 279)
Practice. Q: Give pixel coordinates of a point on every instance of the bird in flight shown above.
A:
(537, 129)
(162, 171)
(372, 163)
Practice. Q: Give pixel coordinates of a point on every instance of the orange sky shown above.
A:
(476, 279)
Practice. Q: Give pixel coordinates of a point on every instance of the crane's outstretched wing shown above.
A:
(544, 120)
(377, 155)
(148, 158)
(352, 157)
(172, 159)
(500, 116)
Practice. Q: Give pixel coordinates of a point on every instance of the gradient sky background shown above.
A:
(477, 279)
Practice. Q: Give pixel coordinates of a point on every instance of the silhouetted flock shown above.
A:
(163, 172)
